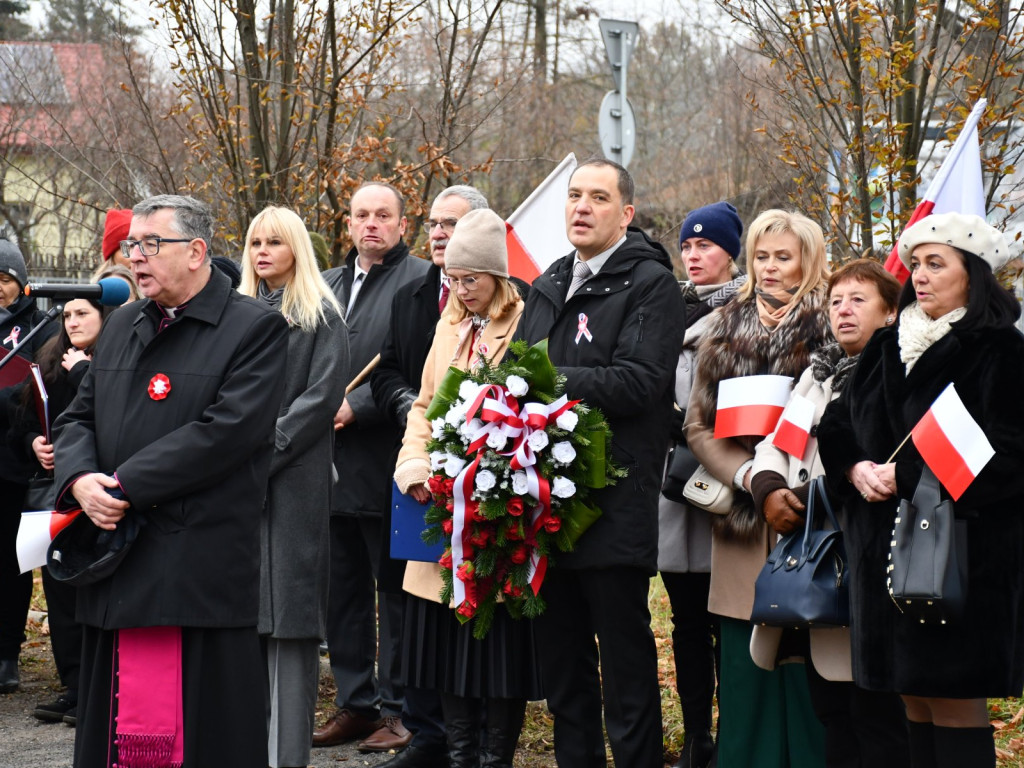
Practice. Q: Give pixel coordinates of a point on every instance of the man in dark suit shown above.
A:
(369, 704)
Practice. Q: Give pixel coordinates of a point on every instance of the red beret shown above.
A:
(115, 230)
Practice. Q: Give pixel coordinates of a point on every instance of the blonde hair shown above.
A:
(109, 269)
(813, 263)
(305, 293)
(506, 297)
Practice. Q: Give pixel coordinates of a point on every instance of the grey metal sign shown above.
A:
(616, 123)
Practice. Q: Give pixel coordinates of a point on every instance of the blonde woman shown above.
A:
(280, 270)
(439, 653)
(776, 321)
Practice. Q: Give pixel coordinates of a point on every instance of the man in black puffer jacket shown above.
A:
(614, 319)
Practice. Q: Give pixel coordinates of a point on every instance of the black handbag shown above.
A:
(927, 571)
(41, 495)
(805, 579)
(679, 469)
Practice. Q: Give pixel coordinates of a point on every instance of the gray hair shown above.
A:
(192, 218)
(471, 195)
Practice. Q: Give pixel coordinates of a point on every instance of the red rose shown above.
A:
(552, 524)
(446, 526)
(446, 559)
(473, 511)
(480, 537)
(465, 571)
(519, 555)
(511, 590)
(436, 485)
(512, 533)
(450, 506)
(514, 506)
(467, 610)
(449, 486)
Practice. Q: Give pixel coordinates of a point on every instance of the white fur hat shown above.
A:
(965, 232)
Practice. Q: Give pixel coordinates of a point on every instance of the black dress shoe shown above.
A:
(417, 757)
(54, 711)
(9, 679)
(71, 716)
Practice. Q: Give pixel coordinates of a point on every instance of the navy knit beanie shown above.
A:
(718, 223)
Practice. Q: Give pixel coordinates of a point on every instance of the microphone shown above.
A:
(110, 291)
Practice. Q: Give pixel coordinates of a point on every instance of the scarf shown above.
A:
(475, 325)
(917, 331)
(831, 360)
(271, 298)
(773, 306)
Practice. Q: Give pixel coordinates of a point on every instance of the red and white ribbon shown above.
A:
(581, 329)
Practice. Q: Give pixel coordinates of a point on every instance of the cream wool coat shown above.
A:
(413, 466)
(830, 647)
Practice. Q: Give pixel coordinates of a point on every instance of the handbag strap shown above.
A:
(817, 488)
(927, 495)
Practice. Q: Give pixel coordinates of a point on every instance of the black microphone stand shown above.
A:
(55, 311)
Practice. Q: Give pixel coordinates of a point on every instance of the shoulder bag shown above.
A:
(707, 492)
(679, 467)
(927, 570)
(805, 579)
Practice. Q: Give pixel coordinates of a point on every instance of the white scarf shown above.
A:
(918, 331)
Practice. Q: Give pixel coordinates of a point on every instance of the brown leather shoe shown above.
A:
(390, 735)
(344, 726)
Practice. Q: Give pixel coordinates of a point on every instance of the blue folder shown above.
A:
(407, 527)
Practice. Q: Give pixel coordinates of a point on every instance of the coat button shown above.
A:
(803, 475)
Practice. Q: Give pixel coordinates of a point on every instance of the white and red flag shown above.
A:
(794, 427)
(951, 443)
(35, 533)
(535, 234)
(751, 405)
(956, 188)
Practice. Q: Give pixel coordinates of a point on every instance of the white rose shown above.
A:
(538, 440)
(437, 460)
(485, 480)
(456, 414)
(468, 390)
(516, 386)
(453, 465)
(562, 487)
(437, 427)
(567, 421)
(563, 452)
(470, 428)
(520, 486)
(497, 440)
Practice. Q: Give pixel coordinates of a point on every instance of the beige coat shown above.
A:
(830, 648)
(424, 579)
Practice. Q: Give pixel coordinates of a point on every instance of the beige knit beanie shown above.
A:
(478, 244)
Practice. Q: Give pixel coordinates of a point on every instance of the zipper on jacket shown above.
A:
(640, 332)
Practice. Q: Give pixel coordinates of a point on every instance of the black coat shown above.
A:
(983, 654)
(363, 449)
(22, 318)
(195, 464)
(634, 313)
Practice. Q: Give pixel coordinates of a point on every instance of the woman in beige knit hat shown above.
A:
(440, 653)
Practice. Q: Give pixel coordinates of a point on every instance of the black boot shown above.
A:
(462, 729)
(504, 724)
(698, 748)
(922, 744)
(964, 747)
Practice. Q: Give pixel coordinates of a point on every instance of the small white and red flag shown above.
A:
(956, 188)
(794, 427)
(951, 443)
(35, 533)
(751, 405)
(535, 232)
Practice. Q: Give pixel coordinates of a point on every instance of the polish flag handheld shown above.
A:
(536, 230)
(35, 533)
(952, 443)
(963, 194)
(795, 426)
(751, 405)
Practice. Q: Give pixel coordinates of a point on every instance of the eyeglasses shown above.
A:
(150, 246)
(446, 225)
(469, 283)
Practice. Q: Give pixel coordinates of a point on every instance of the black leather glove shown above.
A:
(401, 402)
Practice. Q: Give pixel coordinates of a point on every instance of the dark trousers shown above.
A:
(695, 646)
(863, 729)
(610, 603)
(354, 611)
(65, 632)
(15, 588)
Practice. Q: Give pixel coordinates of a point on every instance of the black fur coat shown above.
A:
(983, 654)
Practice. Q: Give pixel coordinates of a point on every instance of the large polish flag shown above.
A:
(751, 405)
(794, 427)
(535, 234)
(35, 533)
(952, 443)
(964, 192)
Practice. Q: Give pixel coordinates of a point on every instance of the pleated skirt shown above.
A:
(441, 654)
